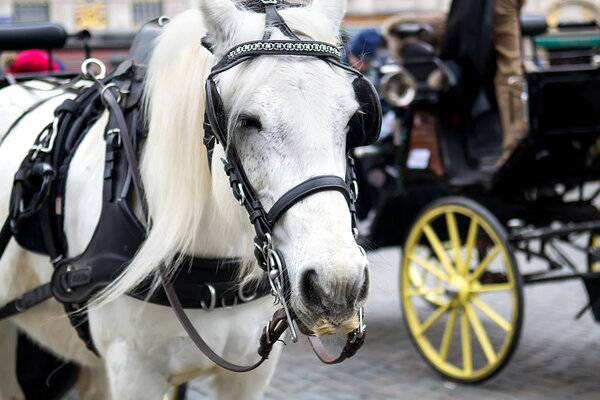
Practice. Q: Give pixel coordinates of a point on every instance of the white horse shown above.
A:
(303, 106)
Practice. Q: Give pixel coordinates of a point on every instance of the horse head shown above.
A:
(287, 119)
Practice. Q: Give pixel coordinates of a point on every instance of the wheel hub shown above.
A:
(460, 289)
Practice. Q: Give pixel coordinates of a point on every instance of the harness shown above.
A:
(37, 207)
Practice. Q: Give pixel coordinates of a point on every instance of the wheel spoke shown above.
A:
(466, 344)
(471, 236)
(482, 336)
(427, 265)
(485, 263)
(448, 334)
(438, 248)
(416, 279)
(493, 315)
(434, 317)
(496, 287)
(423, 292)
(454, 237)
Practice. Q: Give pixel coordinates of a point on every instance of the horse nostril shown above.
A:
(364, 289)
(310, 289)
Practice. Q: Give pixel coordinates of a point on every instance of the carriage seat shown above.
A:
(32, 36)
(533, 25)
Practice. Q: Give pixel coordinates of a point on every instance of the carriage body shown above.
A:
(474, 222)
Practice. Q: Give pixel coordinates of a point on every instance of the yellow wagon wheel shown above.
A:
(457, 259)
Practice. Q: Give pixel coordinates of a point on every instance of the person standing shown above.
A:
(509, 66)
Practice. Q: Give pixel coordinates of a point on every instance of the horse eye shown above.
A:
(250, 122)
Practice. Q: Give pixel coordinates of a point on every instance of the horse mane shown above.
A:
(174, 157)
(174, 164)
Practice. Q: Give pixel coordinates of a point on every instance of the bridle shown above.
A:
(76, 279)
(364, 129)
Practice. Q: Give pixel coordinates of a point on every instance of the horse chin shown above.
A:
(323, 327)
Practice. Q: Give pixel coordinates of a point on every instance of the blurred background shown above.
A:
(113, 22)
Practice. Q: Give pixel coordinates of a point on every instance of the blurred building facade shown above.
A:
(127, 15)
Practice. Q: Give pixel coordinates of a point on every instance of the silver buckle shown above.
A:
(355, 188)
(275, 275)
(116, 132)
(242, 194)
(111, 85)
(50, 133)
(360, 331)
(269, 2)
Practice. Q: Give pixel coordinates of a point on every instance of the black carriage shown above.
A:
(464, 222)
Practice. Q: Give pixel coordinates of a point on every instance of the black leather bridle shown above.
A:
(364, 129)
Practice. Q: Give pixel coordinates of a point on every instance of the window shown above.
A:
(146, 10)
(30, 11)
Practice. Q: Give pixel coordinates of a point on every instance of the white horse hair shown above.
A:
(303, 105)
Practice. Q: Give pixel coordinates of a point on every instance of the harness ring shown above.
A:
(100, 64)
(213, 298)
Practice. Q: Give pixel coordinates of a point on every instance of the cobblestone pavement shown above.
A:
(557, 358)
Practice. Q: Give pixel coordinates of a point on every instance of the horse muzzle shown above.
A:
(323, 307)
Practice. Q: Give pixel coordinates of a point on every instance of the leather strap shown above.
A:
(248, 50)
(274, 21)
(271, 333)
(305, 189)
(130, 153)
(5, 236)
(26, 301)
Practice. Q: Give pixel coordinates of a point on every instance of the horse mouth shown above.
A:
(323, 326)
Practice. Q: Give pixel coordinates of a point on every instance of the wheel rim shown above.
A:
(463, 336)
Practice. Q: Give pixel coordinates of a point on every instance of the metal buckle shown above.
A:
(111, 85)
(359, 332)
(355, 188)
(275, 275)
(241, 193)
(213, 298)
(268, 332)
(117, 133)
(269, 2)
(49, 137)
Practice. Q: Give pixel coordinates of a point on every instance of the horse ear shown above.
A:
(221, 18)
(334, 10)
